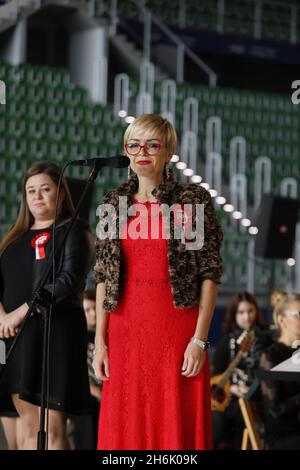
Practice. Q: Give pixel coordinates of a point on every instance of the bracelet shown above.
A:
(204, 345)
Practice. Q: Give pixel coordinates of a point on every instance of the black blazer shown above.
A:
(73, 263)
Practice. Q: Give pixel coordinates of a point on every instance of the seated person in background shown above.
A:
(281, 399)
(86, 427)
(235, 362)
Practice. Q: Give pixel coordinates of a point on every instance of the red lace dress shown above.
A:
(147, 403)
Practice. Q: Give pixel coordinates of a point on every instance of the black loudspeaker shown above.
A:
(76, 187)
(276, 221)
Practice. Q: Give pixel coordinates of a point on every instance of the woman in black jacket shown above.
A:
(25, 253)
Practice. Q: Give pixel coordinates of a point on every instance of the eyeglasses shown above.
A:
(151, 148)
(292, 314)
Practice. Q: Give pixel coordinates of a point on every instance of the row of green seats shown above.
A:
(60, 131)
(72, 141)
(29, 145)
(30, 109)
(35, 150)
(225, 96)
(38, 93)
(34, 75)
(256, 103)
(236, 115)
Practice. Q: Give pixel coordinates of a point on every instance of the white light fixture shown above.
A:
(291, 262)
(213, 192)
(246, 222)
(196, 179)
(228, 208)
(122, 113)
(220, 200)
(237, 215)
(253, 230)
(205, 186)
(181, 165)
(129, 119)
(188, 172)
(175, 158)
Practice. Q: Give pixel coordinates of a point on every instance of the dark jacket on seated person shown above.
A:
(281, 402)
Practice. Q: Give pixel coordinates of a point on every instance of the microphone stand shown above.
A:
(43, 298)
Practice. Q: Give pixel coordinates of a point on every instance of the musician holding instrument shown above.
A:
(235, 362)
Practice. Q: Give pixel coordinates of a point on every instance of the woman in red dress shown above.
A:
(155, 300)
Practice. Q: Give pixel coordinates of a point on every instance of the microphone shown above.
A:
(119, 161)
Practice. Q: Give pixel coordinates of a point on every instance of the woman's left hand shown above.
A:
(194, 359)
(9, 324)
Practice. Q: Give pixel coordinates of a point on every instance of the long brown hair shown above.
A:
(230, 317)
(25, 219)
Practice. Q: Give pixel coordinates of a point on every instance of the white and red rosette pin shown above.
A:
(39, 242)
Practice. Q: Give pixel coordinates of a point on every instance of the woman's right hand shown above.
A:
(101, 363)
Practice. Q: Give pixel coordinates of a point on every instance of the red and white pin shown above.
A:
(39, 242)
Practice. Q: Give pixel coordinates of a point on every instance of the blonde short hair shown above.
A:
(281, 299)
(161, 127)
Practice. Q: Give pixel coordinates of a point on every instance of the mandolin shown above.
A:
(219, 384)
